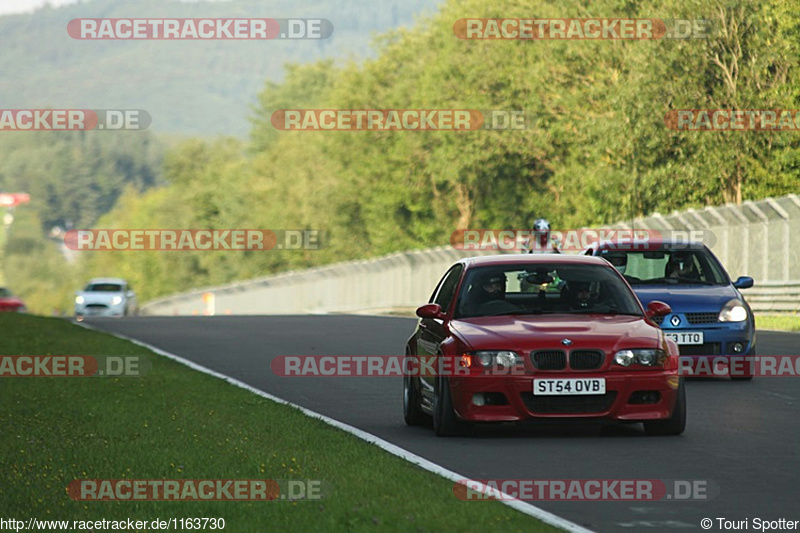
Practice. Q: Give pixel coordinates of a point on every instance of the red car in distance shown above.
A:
(9, 302)
(542, 338)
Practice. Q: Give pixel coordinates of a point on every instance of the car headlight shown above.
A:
(624, 357)
(733, 311)
(641, 356)
(116, 300)
(79, 300)
(503, 358)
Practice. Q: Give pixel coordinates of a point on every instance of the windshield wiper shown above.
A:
(671, 281)
(689, 281)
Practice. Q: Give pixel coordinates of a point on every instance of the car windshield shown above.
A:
(544, 288)
(5, 293)
(103, 287)
(694, 266)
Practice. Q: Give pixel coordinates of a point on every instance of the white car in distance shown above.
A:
(106, 297)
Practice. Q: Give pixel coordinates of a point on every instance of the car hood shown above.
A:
(100, 297)
(526, 333)
(688, 298)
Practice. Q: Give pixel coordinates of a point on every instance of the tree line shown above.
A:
(596, 148)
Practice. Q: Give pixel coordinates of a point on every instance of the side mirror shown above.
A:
(657, 308)
(744, 282)
(430, 311)
(130, 294)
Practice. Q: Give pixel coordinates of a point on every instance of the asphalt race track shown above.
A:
(743, 437)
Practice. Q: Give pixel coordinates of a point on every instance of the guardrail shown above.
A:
(774, 297)
(760, 239)
(399, 280)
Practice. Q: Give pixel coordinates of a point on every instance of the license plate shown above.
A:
(569, 386)
(686, 337)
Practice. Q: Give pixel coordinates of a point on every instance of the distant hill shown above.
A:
(189, 87)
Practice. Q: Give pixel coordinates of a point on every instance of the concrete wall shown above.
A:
(402, 280)
(759, 239)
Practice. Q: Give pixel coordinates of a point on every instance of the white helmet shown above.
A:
(541, 226)
(539, 242)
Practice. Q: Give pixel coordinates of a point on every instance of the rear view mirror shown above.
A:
(539, 277)
(535, 279)
(430, 311)
(657, 308)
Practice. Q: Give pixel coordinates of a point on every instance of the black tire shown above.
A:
(445, 421)
(674, 425)
(412, 411)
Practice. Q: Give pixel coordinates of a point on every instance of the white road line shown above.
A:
(525, 508)
(781, 396)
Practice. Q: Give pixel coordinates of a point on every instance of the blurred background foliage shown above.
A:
(597, 151)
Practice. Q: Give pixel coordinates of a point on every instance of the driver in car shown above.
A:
(618, 259)
(681, 266)
(493, 286)
(488, 295)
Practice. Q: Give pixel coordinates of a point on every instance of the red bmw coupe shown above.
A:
(540, 338)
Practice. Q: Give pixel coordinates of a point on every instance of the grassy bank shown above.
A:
(175, 423)
(786, 322)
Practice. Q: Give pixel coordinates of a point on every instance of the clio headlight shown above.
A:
(79, 300)
(116, 300)
(733, 311)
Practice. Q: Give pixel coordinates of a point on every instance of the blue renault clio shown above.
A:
(710, 317)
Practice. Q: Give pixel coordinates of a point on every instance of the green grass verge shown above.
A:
(787, 322)
(175, 423)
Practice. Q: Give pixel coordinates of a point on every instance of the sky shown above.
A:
(27, 6)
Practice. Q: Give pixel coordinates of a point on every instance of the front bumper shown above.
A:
(520, 403)
(100, 310)
(719, 339)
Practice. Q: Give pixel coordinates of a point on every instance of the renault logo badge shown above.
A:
(675, 320)
(566, 342)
